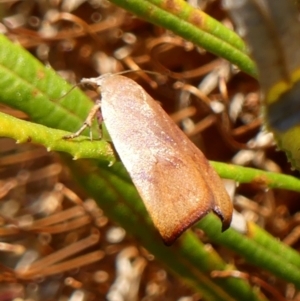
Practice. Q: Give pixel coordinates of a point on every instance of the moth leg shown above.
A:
(88, 121)
(99, 117)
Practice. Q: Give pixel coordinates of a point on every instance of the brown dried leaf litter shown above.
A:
(55, 242)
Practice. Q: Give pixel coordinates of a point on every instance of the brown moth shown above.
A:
(173, 177)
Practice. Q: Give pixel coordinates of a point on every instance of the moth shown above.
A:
(174, 179)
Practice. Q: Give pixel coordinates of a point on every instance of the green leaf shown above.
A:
(195, 26)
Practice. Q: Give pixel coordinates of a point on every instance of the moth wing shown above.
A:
(172, 176)
(176, 196)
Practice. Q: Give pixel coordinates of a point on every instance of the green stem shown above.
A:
(195, 26)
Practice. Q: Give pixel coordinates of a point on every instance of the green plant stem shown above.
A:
(195, 26)
(262, 251)
(251, 175)
(82, 147)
